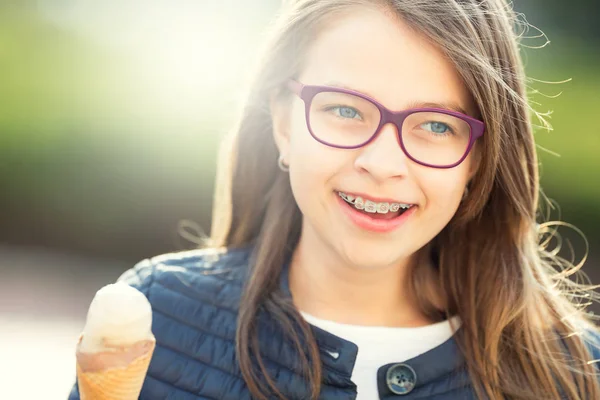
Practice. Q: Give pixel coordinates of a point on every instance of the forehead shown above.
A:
(381, 56)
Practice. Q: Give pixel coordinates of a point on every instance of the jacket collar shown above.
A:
(436, 364)
(339, 354)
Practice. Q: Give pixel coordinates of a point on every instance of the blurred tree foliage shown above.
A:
(574, 18)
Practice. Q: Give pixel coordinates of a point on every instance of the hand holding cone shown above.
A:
(115, 349)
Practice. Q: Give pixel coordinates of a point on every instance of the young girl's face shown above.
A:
(371, 53)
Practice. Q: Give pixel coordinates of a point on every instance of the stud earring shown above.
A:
(281, 165)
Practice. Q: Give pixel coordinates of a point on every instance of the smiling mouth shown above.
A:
(375, 210)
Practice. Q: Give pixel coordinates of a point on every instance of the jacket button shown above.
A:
(401, 378)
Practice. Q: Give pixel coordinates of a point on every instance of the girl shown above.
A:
(375, 230)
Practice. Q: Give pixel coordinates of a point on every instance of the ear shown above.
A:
(280, 118)
(475, 162)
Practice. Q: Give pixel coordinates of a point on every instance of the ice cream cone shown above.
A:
(116, 346)
(117, 374)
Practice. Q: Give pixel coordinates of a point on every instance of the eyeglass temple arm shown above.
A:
(295, 86)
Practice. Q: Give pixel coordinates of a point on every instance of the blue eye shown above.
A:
(345, 112)
(437, 127)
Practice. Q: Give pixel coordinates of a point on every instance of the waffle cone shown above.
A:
(121, 382)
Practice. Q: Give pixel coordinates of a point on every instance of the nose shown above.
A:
(383, 157)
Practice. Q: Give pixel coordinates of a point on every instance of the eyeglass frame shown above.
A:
(308, 92)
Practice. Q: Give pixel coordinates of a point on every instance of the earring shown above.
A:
(281, 165)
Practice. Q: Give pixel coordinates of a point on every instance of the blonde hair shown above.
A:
(524, 334)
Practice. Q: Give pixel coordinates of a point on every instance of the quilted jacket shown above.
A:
(195, 297)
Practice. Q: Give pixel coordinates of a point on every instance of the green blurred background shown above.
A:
(110, 116)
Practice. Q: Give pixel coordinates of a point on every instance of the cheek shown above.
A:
(312, 161)
(312, 165)
(443, 191)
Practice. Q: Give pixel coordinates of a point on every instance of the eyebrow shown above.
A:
(446, 106)
(452, 106)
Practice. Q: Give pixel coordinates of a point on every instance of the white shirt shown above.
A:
(380, 345)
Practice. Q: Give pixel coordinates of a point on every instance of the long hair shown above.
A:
(524, 332)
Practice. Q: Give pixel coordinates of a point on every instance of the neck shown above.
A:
(329, 288)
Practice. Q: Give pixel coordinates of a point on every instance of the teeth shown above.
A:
(383, 208)
(359, 203)
(371, 206)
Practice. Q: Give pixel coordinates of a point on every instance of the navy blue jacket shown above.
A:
(195, 297)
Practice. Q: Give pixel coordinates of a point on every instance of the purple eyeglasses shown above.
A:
(346, 119)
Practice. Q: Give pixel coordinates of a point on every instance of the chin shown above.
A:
(373, 255)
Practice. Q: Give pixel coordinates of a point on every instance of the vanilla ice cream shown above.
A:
(119, 315)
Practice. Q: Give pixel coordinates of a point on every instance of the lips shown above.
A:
(374, 222)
